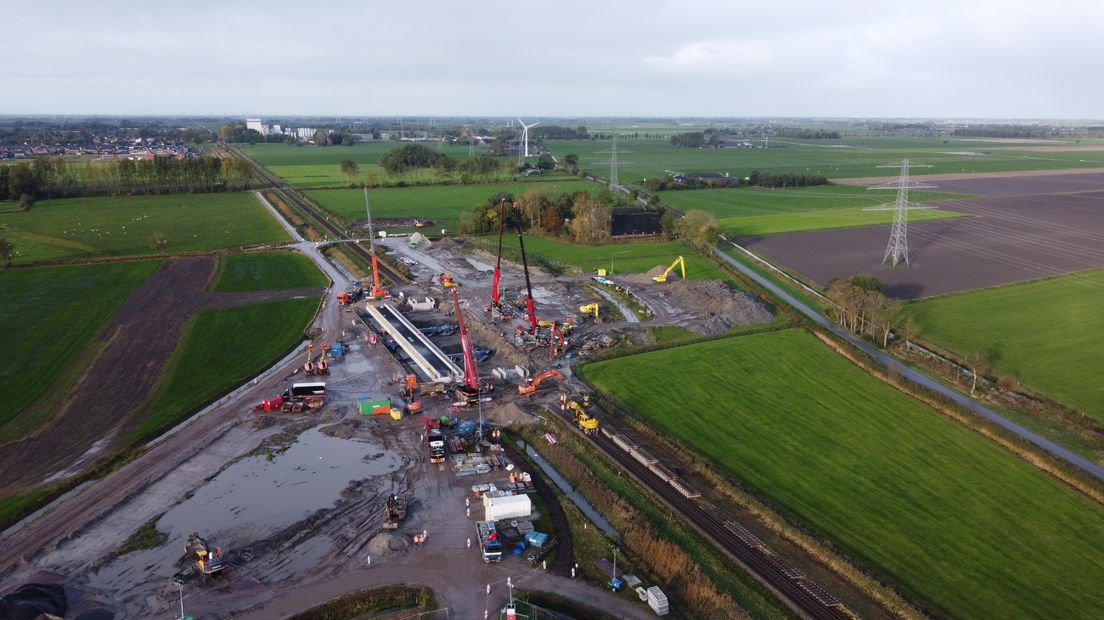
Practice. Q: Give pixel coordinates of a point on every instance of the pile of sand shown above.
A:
(510, 415)
(386, 543)
(719, 307)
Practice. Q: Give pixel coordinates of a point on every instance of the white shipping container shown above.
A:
(509, 507)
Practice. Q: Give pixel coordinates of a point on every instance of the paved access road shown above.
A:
(915, 376)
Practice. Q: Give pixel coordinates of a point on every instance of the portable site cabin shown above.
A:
(507, 507)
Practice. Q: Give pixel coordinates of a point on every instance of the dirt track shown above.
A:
(1022, 229)
(140, 337)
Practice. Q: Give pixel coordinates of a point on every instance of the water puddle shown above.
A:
(252, 499)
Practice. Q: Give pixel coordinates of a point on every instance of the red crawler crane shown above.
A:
(469, 392)
(530, 310)
(496, 298)
(377, 291)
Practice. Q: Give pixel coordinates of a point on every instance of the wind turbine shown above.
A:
(525, 134)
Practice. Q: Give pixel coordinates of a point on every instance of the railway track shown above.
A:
(803, 595)
(291, 195)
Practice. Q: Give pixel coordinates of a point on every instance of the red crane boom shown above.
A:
(471, 373)
(377, 291)
(496, 298)
(530, 310)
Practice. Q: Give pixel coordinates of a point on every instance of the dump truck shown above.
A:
(394, 512)
(435, 441)
(489, 545)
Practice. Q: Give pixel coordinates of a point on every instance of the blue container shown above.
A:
(337, 350)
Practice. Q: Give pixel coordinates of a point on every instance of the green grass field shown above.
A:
(952, 518)
(49, 314)
(1046, 333)
(844, 158)
(221, 349)
(312, 166)
(624, 257)
(749, 211)
(78, 228)
(441, 203)
(266, 272)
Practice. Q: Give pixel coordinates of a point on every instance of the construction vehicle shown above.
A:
(586, 422)
(419, 223)
(496, 298)
(323, 367)
(468, 392)
(207, 561)
(409, 393)
(530, 309)
(435, 442)
(489, 545)
(533, 383)
(308, 367)
(590, 310)
(394, 512)
(446, 280)
(680, 263)
(377, 291)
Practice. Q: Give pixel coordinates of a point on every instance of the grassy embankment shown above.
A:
(84, 228)
(953, 520)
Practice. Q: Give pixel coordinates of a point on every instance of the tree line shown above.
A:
(862, 307)
(56, 177)
(755, 179)
(556, 132)
(805, 133)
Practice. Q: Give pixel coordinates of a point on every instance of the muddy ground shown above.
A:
(1023, 228)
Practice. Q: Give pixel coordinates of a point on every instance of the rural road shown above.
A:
(915, 376)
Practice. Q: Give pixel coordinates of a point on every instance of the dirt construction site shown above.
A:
(290, 481)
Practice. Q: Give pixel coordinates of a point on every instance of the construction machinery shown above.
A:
(469, 391)
(435, 441)
(394, 512)
(446, 280)
(323, 367)
(680, 263)
(377, 291)
(590, 310)
(496, 298)
(532, 384)
(530, 309)
(586, 422)
(207, 561)
(409, 393)
(308, 367)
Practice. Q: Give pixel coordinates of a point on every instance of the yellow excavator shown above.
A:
(680, 263)
(586, 422)
(590, 310)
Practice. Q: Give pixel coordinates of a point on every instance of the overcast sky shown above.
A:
(930, 58)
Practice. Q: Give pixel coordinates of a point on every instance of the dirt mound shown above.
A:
(509, 414)
(347, 428)
(386, 543)
(655, 271)
(718, 306)
(445, 244)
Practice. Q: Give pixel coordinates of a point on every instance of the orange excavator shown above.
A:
(533, 384)
(377, 291)
(323, 365)
(308, 368)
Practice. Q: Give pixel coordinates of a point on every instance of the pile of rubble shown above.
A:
(718, 306)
